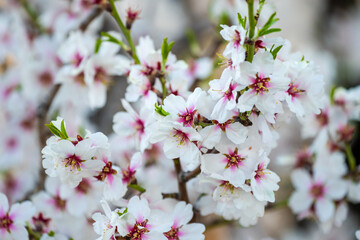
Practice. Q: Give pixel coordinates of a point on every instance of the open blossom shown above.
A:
(230, 202)
(98, 71)
(236, 36)
(181, 111)
(264, 181)
(181, 228)
(132, 124)
(266, 83)
(178, 142)
(141, 222)
(305, 92)
(318, 191)
(234, 165)
(224, 92)
(71, 162)
(12, 219)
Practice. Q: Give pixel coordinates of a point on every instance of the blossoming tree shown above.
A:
(181, 158)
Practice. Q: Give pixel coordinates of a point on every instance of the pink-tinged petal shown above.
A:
(22, 212)
(182, 213)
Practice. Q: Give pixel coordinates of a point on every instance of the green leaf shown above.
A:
(122, 213)
(54, 129)
(63, 130)
(332, 95)
(266, 28)
(242, 21)
(97, 45)
(275, 51)
(271, 30)
(137, 187)
(160, 110)
(51, 234)
(165, 50)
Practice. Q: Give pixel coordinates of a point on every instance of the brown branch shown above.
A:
(183, 194)
(94, 14)
(187, 176)
(171, 195)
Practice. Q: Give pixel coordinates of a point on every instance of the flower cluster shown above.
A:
(325, 175)
(181, 157)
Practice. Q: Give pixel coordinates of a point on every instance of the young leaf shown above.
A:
(266, 28)
(275, 51)
(54, 129)
(242, 21)
(122, 213)
(63, 130)
(160, 110)
(97, 45)
(165, 50)
(332, 95)
(271, 30)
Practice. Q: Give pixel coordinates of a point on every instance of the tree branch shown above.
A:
(183, 194)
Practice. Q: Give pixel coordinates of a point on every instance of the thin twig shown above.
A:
(187, 176)
(171, 195)
(183, 194)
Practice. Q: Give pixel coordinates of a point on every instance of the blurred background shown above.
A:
(325, 31)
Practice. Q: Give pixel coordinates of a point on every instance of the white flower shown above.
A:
(264, 181)
(181, 229)
(132, 124)
(13, 219)
(141, 222)
(236, 36)
(178, 142)
(319, 190)
(267, 85)
(234, 165)
(305, 94)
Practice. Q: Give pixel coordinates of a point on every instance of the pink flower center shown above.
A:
(172, 234)
(317, 190)
(139, 126)
(236, 38)
(260, 174)
(77, 59)
(228, 95)
(137, 232)
(128, 175)
(260, 84)
(346, 133)
(323, 119)
(59, 203)
(6, 222)
(83, 187)
(74, 162)
(181, 136)
(101, 76)
(233, 159)
(294, 90)
(187, 117)
(107, 170)
(40, 222)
